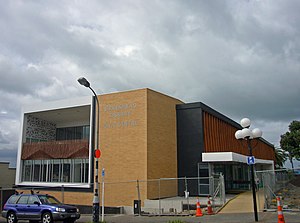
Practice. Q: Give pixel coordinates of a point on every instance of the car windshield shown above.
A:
(48, 200)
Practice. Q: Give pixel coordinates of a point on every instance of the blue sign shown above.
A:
(103, 172)
(250, 160)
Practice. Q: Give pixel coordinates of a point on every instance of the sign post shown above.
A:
(103, 174)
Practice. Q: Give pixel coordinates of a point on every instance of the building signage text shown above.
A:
(118, 112)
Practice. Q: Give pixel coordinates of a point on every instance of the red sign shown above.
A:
(97, 153)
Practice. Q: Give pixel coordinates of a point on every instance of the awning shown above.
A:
(231, 157)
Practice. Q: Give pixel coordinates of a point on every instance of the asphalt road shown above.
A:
(265, 217)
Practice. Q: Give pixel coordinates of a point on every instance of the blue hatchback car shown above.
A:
(38, 207)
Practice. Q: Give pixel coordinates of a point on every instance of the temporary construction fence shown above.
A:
(170, 195)
(273, 181)
(155, 196)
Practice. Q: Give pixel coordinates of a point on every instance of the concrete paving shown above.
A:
(263, 217)
(243, 203)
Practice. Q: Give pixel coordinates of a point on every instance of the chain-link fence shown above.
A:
(272, 182)
(155, 196)
(168, 195)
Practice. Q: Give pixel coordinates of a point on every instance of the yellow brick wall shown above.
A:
(76, 198)
(161, 144)
(123, 143)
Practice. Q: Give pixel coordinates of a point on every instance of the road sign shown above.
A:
(103, 172)
(250, 160)
(97, 153)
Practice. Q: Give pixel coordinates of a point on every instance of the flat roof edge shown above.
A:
(59, 104)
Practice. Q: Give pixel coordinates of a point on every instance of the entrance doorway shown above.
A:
(237, 176)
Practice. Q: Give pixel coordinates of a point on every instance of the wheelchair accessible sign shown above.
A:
(250, 160)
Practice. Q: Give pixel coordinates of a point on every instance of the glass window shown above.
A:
(13, 199)
(77, 170)
(48, 200)
(72, 133)
(36, 170)
(27, 170)
(60, 134)
(49, 171)
(33, 199)
(86, 132)
(23, 200)
(66, 171)
(56, 170)
(85, 171)
(44, 170)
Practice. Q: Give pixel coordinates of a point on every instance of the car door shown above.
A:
(21, 207)
(33, 210)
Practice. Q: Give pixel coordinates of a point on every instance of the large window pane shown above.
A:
(27, 170)
(86, 132)
(44, 171)
(77, 171)
(73, 133)
(55, 171)
(66, 171)
(36, 170)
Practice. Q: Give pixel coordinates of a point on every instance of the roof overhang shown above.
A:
(231, 157)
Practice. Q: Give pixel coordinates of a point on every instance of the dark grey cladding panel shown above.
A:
(189, 141)
(210, 110)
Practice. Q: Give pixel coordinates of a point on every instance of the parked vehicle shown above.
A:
(38, 207)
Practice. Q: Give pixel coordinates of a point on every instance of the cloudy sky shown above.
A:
(240, 57)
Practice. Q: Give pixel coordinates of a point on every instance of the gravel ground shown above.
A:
(291, 194)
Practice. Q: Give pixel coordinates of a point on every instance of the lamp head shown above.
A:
(245, 122)
(238, 134)
(83, 82)
(246, 133)
(257, 133)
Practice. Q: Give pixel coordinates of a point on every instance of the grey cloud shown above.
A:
(239, 57)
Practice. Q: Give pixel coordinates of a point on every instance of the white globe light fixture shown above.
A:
(245, 122)
(238, 134)
(257, 133)
(246, 133)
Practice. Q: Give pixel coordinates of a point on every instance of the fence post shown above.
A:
(159, 204)
(1, 199)
(139, 195)
(222, 189)
(187, 193)
(62, 194)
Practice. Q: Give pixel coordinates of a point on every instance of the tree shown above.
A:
(290, 141)
(280, 157)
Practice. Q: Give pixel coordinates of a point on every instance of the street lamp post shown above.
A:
(97, 153)
(248, 135)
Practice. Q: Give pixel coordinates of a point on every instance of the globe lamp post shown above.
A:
(248, 135)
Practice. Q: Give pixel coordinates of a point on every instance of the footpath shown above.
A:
(237, 210)
(265, 217)
(243, 203)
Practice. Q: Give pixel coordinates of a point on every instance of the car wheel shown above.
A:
(11, 218)
(47, 218)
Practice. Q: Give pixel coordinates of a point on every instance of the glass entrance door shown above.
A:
(203, 179)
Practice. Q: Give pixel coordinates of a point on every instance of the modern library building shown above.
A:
(143, 135)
